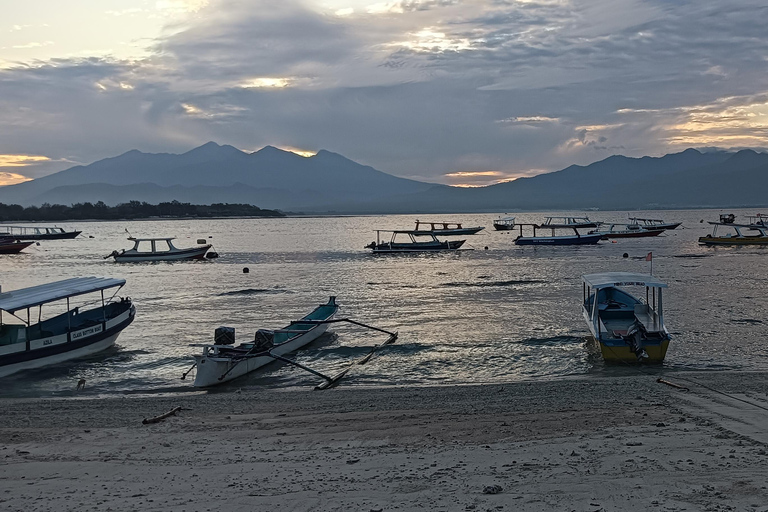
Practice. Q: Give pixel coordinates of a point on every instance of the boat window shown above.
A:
(162, 246)
(144, 246)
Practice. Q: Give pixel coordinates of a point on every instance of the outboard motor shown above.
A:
(371, 245)
(634, 339)
(224, 336)
(263, 340)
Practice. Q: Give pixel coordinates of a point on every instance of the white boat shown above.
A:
(626, 231)
(158, 249)
(25, 344)
(445, 228)
(35, 233)
(569, 222)
(627, 328)
(504, 223)
(652, 223)
(223, 361)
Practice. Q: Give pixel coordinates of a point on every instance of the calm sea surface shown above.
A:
(505, 313)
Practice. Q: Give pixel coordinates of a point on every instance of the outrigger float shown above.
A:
(223, 361)
(628, 329)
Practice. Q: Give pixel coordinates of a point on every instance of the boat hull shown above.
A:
(195, 253)
(44, 236)
(503, 227)
(389, 248)
(735, 240)
(14, 247)
(450, 232)
(635, 233)
(558, 240)
(14, 362)
(211, 369)
(621, 353)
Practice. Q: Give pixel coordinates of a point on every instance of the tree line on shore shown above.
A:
(129, 210)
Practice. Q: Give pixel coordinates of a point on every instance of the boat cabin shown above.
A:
(569, 222)
(152, 245)
(29, 340)
(437, 226)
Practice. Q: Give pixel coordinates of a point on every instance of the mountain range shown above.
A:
(329, 182)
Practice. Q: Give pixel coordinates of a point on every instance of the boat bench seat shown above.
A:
(649, 318)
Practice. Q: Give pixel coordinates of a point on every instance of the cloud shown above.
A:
(422, 89)
(12, 178)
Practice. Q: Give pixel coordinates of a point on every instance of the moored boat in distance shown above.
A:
(504, 223)
(735, 234)
(157, 249)
(445, 228)
(412, 241)
(37, 232)
(12, 246)
(653, 223)
(625, 231)
(223, 361)
(75, 333)
(569, 222)
(627, 328)
(554, 239)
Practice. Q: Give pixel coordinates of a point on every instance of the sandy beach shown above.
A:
(622, 443)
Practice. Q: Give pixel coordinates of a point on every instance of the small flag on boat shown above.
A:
(649, 257)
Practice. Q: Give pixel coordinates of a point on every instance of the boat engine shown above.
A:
(634, 339)
(224, 336)
(263, 340)
(371, 245)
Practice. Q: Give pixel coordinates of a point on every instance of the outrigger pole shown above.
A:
(329, 381)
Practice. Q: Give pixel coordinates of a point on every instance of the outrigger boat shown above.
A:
(652, 223)
(412, 241)
(627, 329)
(157, 249)
(445, 228)
(735, 235)
(569, 222)
(626, 231)
(37, 233)
(575, 239)
(223, 361)
(758, 219)
(76, 333)
(504, 223)
(12, 246)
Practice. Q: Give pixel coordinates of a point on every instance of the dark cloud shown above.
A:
(439, 87)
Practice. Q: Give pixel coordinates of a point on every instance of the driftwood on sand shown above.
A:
(160, 418)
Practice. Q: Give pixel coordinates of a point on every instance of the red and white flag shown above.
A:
(649, 257)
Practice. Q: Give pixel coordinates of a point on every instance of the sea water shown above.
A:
(493, 314)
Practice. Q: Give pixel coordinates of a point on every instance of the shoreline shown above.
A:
(606, 443)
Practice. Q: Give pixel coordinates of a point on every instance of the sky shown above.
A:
(458, 92)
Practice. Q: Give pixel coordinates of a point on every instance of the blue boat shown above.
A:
(554, 239)
(78, 332)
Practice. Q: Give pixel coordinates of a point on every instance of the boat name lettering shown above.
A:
(86, 332)
(629, 283)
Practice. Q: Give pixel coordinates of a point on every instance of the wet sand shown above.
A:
(623, 443)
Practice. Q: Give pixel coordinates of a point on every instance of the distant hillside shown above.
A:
(328, 182)
(269, 178)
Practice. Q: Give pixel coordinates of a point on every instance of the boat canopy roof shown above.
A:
(608, 279)
(506, 218)
(42, 294)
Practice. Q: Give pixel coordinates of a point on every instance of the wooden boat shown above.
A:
(652, 223)
(12, 246)
(735, 234)
(37, 233)
(411, 241)
(628, 329)
(157, 249)
(569, 222)
(445, 228)
(25, 344)
(504, 223)
(553, 239)
(626, 231)
(223, 361)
